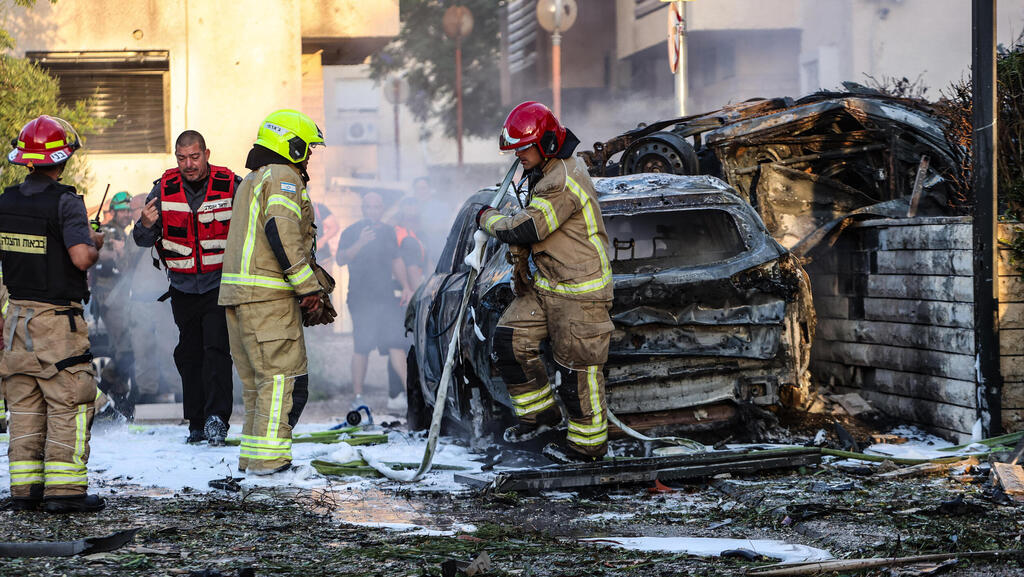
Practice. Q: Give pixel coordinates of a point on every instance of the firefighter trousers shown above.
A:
(50, 387)
(269, 352)
(579, 332)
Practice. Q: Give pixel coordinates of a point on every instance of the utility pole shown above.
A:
(677, 50)
(989, 380)
(458, 23)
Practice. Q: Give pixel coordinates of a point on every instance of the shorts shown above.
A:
(377, 325)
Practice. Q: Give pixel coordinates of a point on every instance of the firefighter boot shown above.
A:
(565, 455)
(74, 504)
(523, 431)
(30, 503)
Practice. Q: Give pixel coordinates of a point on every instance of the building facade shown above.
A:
(158, 68)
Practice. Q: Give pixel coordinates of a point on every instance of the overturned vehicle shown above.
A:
(713, 318)
(807, 165)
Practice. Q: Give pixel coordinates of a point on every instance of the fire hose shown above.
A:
(476, 256)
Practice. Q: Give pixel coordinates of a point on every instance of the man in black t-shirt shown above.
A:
(370, 249)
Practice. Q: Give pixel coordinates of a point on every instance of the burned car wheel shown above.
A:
(661, 152)
(417, 413)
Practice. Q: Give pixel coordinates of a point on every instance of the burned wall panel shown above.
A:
(895, 310)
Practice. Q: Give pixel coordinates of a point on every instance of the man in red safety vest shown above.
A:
(187, 216)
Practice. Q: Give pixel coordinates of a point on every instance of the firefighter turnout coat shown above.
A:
(267, 265)
(568, 305)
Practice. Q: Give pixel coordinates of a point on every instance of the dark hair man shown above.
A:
(568, 300)
(187, 216)
(48, 246)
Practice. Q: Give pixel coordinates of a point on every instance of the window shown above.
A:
(129, 88)
(651, 242)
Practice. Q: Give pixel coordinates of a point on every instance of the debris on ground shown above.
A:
(1009, 479)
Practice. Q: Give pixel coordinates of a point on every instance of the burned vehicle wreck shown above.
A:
(806, 165)
(713, 318)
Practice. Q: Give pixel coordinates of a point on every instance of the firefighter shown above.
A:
(271, 286)
(566, 302)
(47, 373)
(189, 213)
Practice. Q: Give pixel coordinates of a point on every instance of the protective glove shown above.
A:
(519, 257)
(480, 213)
(475, 257)
(325, 314)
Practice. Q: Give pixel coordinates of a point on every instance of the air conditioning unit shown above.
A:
(359, 132)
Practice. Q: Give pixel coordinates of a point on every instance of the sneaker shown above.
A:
(266, 472)
(397, 403)
(74, 504)
(195, 436)
(216, 431)
(566, 456)
(110, 414)
(358, 402)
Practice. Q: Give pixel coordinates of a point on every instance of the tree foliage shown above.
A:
(425, 57)
(26, 91)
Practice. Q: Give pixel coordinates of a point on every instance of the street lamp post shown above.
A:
(677, 49)
(556, 16)
(396, 92)
(458, 23)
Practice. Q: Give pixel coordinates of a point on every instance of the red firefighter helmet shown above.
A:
(44, 141)
(532, 123)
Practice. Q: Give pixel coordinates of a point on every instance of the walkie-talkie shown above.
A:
(95, 223)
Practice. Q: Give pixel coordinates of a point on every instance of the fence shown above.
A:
(895, 322)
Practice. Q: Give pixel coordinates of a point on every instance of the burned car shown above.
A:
(712, 316)
(808, 163)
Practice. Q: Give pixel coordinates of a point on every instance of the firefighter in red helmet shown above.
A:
(47, 247)
(566, 301)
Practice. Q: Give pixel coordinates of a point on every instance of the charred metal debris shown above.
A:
(809, 164)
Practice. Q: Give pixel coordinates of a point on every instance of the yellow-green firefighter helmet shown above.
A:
(289, 133)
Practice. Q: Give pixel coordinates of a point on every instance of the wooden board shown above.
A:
(922, 287)
(925, 237)
(1011, 315)
(831, 307)
(1011, 289)
(1013, 420)
(923, 312)
(1010, 478)
(915, 262)
(959, 419)
(927, 387)
(946, 339)
(1012, 367)
(1011, 341)
(1013, 394)
(949, 365)
(824, 283)
(834, 374)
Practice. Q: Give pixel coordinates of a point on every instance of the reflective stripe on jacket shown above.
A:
(252, 271)
(203, 233)
(565, 231)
